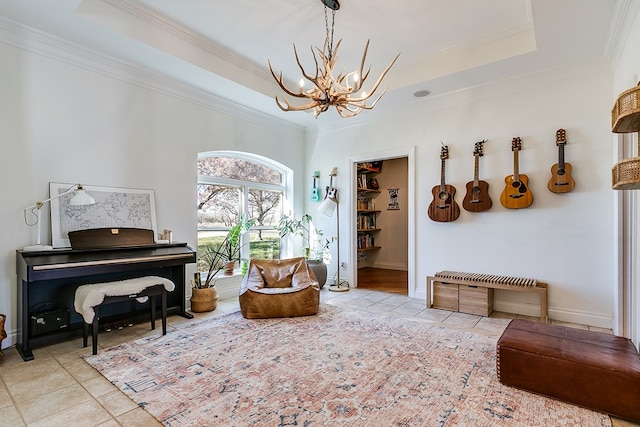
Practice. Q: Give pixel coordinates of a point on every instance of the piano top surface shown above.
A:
(70, 256)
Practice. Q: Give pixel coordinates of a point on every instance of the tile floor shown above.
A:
(59, 389)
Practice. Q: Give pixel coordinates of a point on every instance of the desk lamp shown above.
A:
(79, 199)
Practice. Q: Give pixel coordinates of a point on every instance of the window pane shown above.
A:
(265, 207)
(264, 244)
(218, 205)
(207, 240)
(226, 167)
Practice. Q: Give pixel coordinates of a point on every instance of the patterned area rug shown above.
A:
(340, 367)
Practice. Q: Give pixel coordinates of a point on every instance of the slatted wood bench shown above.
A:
(490, 281)
(89, 298)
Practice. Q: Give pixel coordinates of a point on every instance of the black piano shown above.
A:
(48, 280)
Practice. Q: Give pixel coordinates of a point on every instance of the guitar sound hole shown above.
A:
(515, 184)
(560, 172)
(443, 196)
(476, 191)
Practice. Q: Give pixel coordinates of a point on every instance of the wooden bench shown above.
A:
(595, 370)
(474, 280)
(89, 298)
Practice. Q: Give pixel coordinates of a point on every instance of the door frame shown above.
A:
(409, 153)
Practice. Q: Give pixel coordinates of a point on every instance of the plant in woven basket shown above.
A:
(223, 255)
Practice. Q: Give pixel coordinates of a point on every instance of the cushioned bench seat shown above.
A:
(590, 369)
(89, 298)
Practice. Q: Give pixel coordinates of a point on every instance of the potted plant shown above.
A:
(303, 227)
(222, 256)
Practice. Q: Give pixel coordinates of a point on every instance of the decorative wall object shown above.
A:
(393, 199)
(114, 207)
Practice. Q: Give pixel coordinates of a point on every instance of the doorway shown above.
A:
(382, 212)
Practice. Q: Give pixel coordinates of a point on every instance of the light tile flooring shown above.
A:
(59, 389)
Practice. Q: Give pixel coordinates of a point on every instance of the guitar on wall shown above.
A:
(477, 198)
(443, 208)
(315, 191)
(561, 180)
(516, 194)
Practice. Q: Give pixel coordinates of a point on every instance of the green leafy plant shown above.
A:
(302, 227)
(220, 255)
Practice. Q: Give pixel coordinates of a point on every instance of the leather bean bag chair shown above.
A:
(279, 288)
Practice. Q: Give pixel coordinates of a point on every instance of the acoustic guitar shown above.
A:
(443, 208)
(477, 198)
(516, 194)
(561, 180)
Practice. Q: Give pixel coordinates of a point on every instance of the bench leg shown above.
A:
(163, 298)
(152, 304)
(85, 333)
(94, 331)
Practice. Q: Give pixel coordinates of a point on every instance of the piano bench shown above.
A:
(89, 299)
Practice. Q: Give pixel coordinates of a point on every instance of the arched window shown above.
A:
(231, 184)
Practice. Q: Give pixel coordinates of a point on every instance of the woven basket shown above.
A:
(625, 116)
(625, 175)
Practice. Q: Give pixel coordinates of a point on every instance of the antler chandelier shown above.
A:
(343, 91)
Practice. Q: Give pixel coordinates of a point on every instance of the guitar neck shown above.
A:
(442, 166)
(476, 175)
(561, 156)
(516, 173)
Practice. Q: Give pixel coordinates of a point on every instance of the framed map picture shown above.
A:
(114, 207)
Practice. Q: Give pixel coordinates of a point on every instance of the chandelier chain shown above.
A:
(329, 36)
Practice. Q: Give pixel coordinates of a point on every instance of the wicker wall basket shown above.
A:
(625, 175)
(625, 116)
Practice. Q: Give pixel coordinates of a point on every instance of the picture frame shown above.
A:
(114, 208)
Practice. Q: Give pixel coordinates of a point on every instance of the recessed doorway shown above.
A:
(381, 212)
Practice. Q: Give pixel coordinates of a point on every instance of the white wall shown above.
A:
(61, 122)
(563, 239)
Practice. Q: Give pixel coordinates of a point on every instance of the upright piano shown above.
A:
(50, 278)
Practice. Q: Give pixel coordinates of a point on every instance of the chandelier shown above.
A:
(343, 91)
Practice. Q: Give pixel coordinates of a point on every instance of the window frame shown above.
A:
(286, 187)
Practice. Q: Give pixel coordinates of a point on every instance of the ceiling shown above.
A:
(223, 47)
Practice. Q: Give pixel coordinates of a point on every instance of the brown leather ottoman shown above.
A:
(590, 369)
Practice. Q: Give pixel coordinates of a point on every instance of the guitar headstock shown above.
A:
(444, 152)
(561, 137)
(516, 144)
(477, 150)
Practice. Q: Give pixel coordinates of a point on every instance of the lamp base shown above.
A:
(35, 248)
(338, 288)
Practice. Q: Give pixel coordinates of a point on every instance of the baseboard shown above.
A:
(389, 266)
(10, 340)
(557, 314)
(533, 310)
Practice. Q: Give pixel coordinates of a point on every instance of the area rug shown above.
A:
(339, 368)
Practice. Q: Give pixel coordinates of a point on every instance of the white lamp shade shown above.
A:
(327, 207)
(81, 199)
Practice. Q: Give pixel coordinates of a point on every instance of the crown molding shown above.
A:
(624, 14)
(40, 43)
(159, 21)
